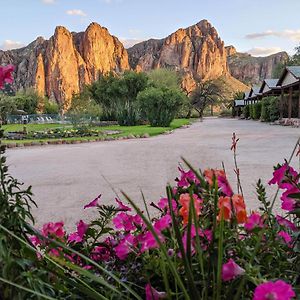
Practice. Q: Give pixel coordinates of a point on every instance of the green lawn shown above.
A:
(124, 130)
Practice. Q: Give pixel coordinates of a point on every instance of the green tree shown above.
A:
(28, 101)
(118, 96)
(164, 78)
(161, 104)
(7, 107)
(207, 93)
(50, 107)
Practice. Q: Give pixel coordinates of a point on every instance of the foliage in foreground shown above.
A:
(202, 244)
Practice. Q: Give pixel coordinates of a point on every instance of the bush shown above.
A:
(247, 111)
(265, 110)
(256, 110)
(274, 109)
(50, 107)
(160, 105)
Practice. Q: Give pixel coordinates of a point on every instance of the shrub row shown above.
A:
(266, 110)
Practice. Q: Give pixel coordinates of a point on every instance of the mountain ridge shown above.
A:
(60, 66)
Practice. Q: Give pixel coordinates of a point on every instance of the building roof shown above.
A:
(254, 92)
(239, 103)
(271, 84)
(295, 70)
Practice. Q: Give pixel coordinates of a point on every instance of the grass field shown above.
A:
(124, 130)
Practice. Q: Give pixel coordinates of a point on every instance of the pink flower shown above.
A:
(186, 178)
(100, 253)
(289, 204)
(92, 203)
(163, 223)
(153, 294)
(77, 237)
(224, 185)
(6, 75)
(164, 204)
(286, 237)
(286, 223)
(123, 221)
(278, 290)
(279, 174)
(231, 270)
(35, 240)
(255, 220)
(125, 246)
(148, 240)
(54, 229)
(121, 206)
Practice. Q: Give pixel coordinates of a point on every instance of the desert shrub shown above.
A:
(164, 78)
(160, 105)
(226, 112)
(256, 110)
(247, 111)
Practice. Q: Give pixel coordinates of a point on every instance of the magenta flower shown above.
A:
(125, 246)
(6, 75)
(54, 229)
(153, 294)
(278, 290)
(224, 185)
(289, 204)
(92, 203)
(124, 221)
(286, 237)
(231, 270)
(186, 178)
(100, 253)
(280, 174)
(286, 223)
(77, 237)
(255, 220)
(163, 223)
(122, 206)
(35, 240)
(148, 240)
(164, 204)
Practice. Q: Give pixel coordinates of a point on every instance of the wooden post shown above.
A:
(299, 103)
(281, 103)
(290, 102)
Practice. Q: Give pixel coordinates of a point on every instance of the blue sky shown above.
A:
(257, 26)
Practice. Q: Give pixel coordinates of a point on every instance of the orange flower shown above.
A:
(225, 207)
(184, 200)
(240, 208)
(210, 173)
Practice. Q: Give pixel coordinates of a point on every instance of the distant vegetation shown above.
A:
(293, 60)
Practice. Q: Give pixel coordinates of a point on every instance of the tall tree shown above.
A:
(207, 93)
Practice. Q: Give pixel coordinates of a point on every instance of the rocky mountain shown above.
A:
(197, 51)
(60, 66)
(252, 70)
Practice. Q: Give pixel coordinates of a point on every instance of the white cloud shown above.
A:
(9, 44)
(48, 1)
(130, 42)
(76, 12)
(261, 51)
(288, 34)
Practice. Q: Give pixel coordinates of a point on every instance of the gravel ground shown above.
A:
(65, 177)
